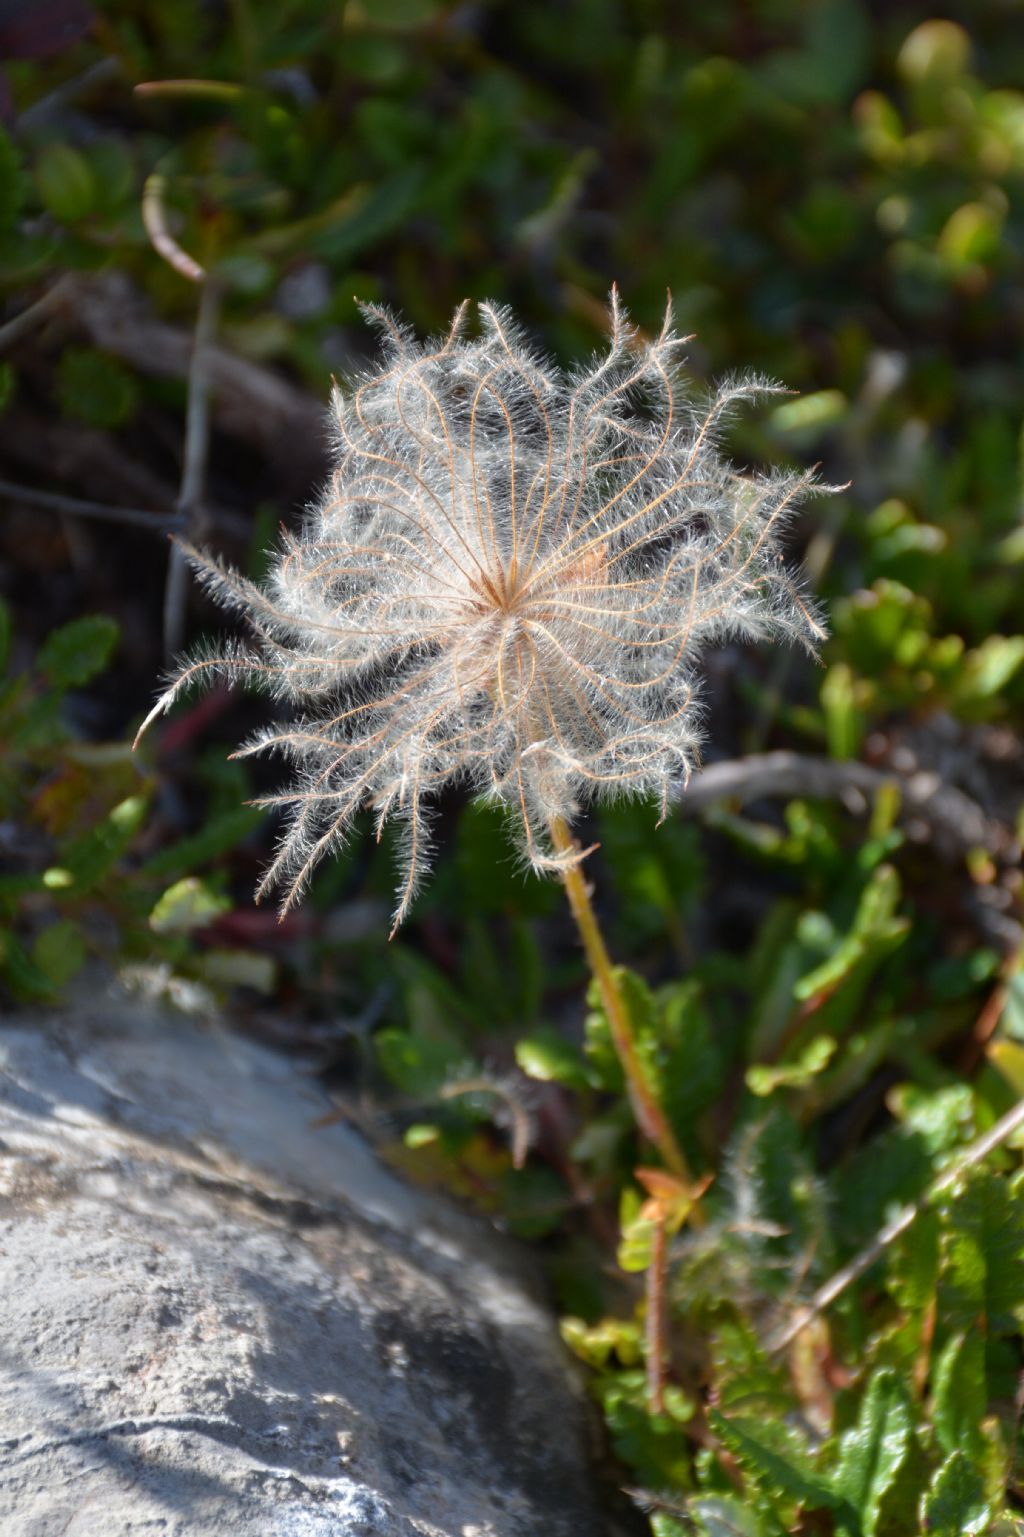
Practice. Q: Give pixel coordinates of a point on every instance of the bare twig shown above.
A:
(15, 328)
(159, 522)
(958, 822)
(250, 402)
(825, 1295)
(154, 217)
(193, 477)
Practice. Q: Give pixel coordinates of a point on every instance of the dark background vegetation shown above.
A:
(832, 191)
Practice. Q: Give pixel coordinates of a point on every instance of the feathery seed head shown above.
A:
(506, 582)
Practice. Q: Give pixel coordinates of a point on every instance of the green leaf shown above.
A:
(78, 651)
(95, 388)
(955, 1504)
(59, 952)
(549, 1057)
(93, 855)
(844, 722)
(874, 933)
(764, 1078)
(416, 1065)
(216, 837)
(776, 1460)
(188, 904)
(65, 182)
(961, 1394)
(873, 1452)
(982, 1284)
(21, 973)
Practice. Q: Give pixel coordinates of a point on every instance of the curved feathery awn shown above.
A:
(507, 583)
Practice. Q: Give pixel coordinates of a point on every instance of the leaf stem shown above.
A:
(650, 1117)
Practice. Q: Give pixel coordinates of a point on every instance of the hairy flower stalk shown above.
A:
(506, 583)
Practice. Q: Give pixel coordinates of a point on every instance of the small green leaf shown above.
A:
(216, 837)
(93, 855)
(549, 1057)
(95, 388)
(873, 1452)
(188, 904)
(955, 1504)
(417, 1066)
(764, 1079)
(810, 415)
(65, 182)
(844, 721)
(59, 952)
(77, 651)
(961, 1394)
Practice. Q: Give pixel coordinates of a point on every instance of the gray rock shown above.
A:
(219, 1319)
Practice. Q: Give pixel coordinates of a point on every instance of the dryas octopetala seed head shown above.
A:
(507, 582)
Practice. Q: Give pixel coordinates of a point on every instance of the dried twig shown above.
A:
(19, 325)
(250, 402)
(193, 477)
(154, 217)
(159, 522)
(825, 1295)
(958, 823)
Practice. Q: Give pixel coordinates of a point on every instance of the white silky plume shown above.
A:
(507, 582)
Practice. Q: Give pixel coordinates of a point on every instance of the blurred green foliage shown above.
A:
(832, 191)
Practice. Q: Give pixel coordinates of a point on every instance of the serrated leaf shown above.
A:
(914, 1264)
(961, 1393)
(775, 1459)
(873, 1451)
(955, 1504)
(77, 651)
(221, 833)
(982, 1284)
(92, 856)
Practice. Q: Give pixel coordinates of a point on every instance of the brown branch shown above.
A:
(249, 402)
(193, 475)
(159, 522)
(957, 822)
(825, 1295)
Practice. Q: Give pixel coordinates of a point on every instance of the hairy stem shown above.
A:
(655, 1319)
(650, 1117)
